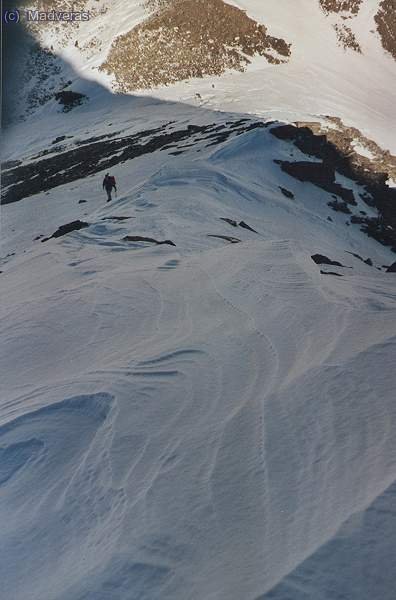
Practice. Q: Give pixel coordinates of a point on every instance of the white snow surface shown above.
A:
(192, 421)
(205, 421)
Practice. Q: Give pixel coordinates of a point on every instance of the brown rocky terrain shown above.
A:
(337, 6)
(347, 38)
(183, 39)
(386, 25)
(335, 146)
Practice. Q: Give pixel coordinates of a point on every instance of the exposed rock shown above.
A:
(246, 226)
(380, 231)
(357, 220)
(321, 174)
(392, 268)
(339, 207)
(346, 38)
(68, 228)
(232, 240)
(103, 152)
(355, 255)
(138, 238)
(69, 99)
(320, 259)
(286, 192)
(334, 144)
(183, 39)
(240, 224)
(82, 201)
(367, 261)
(337, 6)
(230, 221)
(331, 273)
(116, 218)
(386, 25)
(10, 164)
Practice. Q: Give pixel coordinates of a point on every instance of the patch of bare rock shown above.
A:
(338, 6)
(184, 39)
(347, 38)
(339, 149)
(386, 25)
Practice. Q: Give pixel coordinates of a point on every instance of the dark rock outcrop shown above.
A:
(392, 268)
(334, 148)
(246, 226)
(386, 25)
(230, 221)
(330, 273)
(69, 99)
(339, 207)
(321, 174)
(357, 220)
(139, 238)
(227, 238)
(287, 193)
(320, 259)
(97, 154)
(68, 228)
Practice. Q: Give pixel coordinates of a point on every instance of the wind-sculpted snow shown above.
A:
(364, 544)
(193, 421)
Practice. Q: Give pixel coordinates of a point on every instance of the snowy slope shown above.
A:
(212, 417)
(190, 421)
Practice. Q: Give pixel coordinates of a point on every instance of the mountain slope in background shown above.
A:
(197, 395)
(331, 57)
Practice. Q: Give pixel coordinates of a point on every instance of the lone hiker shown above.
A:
(109, 183)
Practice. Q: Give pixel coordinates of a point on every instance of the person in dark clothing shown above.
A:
(109, 183)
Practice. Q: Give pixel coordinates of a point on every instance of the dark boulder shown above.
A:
(139, 238)
(322, 174)
(68, 228)
(230, 221)
(339, 207)
(246, 226)
(357, 220)
(69, 99)
(331, 273)
(320, 259)
(227, 238)
(392, 268)
(286, 193)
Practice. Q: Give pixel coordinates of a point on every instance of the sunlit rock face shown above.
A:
(386, 25)
(183, 39)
